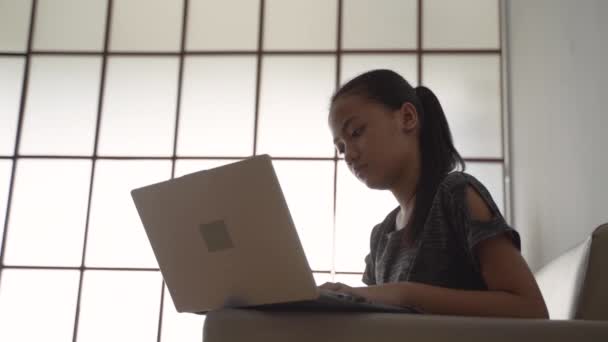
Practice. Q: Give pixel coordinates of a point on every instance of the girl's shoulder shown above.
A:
(453, 187)
(458, 180)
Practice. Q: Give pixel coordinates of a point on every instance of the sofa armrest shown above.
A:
(252, 326)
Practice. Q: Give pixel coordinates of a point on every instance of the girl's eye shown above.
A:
(358, 132)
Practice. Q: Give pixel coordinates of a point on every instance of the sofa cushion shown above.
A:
(593, 302)
(571, 284)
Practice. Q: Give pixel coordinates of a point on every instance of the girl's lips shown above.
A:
(359, 170)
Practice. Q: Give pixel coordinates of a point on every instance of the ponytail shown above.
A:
(438, 154)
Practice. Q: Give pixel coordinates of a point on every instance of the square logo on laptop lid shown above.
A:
(216, 236)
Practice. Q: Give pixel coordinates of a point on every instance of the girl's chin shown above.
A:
(373, 183)
(370, 180)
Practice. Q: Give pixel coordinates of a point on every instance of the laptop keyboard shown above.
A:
(347, 297)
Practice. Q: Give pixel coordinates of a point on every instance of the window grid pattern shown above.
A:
(260, 52)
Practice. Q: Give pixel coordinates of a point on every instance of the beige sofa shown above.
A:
(575, 287)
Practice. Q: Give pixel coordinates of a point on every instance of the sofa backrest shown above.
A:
(574, 285)
(593, 301)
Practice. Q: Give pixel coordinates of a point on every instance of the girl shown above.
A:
(446, 249)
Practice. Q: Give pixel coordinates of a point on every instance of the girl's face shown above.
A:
(379, 144)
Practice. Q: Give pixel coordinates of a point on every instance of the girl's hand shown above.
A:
(338, 287)
(358, 293)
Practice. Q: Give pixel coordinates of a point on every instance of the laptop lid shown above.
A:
(224, 237)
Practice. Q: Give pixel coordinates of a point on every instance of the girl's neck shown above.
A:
(405, 187)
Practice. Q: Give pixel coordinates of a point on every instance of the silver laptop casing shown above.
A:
(224, 237)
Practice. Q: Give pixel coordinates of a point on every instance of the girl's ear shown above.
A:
(408, 117)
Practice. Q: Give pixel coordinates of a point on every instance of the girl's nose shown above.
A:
(350, 155)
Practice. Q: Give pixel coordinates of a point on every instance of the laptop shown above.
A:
(224, 238)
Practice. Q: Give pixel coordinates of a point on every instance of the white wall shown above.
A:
(558, 55)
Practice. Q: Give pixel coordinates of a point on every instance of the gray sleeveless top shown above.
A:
(443, 253)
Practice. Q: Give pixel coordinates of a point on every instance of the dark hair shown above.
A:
(437, 152)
